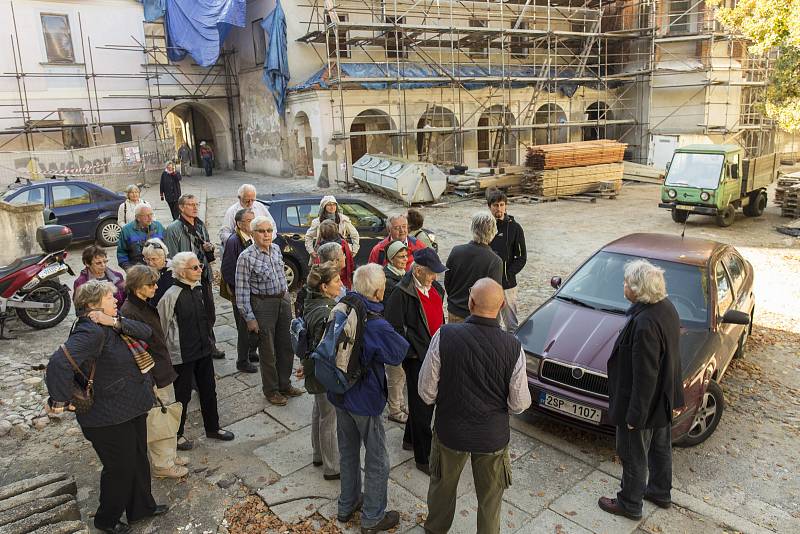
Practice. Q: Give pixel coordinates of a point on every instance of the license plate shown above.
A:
(683, 207)
(568, 407)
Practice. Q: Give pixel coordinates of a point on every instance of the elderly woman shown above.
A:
(115, 424)
(155, 254)
(96, 261)
(329, 210)
(127, 210)
(141, 286)
(329, 233)
(395, 268)
(323, 286)
(644, 387)
(186, 327)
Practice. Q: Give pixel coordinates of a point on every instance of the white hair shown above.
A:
(155, 246)
(245, 188)
(141, 207)
(131, 188)
(646, 281)
(181, 260)
(484, 227)
(369, 279)
(396, 216)
(258, 221)
(329, 252)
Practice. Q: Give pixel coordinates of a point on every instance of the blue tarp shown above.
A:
(198, 27)
(153, 9)
(276, 65)
(416, 70)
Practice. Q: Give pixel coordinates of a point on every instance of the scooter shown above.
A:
(30, 285)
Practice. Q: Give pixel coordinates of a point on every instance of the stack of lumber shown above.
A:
(575, 180)
(642, 173)
(790, 207)
(476, 181)
(580, 154)
(784, 183)
(45, 503)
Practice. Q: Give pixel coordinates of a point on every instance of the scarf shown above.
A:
(138, 349)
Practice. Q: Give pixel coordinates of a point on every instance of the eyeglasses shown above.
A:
(154, 244)
(263, 230)
(195, 267)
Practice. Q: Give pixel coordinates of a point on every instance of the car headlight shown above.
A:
(671, 193)
(532, 363)
(704, 196)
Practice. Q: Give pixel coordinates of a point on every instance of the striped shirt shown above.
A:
(258, 273)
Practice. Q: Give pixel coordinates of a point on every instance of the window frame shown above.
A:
(731, 293)
(296, 207)
(68, 186)
(366, 207)
(737, 283)
(14, 202)
(62, 61)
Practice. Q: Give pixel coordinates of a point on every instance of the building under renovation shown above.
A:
(450, 82)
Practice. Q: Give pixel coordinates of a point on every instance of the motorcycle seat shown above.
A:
(19, 264)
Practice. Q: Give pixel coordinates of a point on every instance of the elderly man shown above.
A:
(398, 231)
(644, 386)
(470, 262)
(188, 233)
(247, 200)
(263, 300)
(135, 234)
(415, 310)
(475, 373)
(359, 412)
(246, 341)
(509, 244)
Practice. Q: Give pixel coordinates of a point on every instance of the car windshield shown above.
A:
(695, 170)
(598, 284)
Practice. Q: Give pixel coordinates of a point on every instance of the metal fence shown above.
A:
(112, 166)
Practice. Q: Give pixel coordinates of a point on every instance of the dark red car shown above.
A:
(569, 338)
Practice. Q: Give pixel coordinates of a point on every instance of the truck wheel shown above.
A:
(757, 204)
(726, 216)
(679, 216)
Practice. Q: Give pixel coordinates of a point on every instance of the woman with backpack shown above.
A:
(323, 286)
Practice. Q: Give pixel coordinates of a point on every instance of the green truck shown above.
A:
(715, 180)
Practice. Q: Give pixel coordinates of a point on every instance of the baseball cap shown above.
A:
(427, 257)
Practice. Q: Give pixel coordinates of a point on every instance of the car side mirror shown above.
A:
(555, 282)
(736, 317)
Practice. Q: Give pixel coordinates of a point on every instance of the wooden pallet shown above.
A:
(575, 181)
(790, 207)
(784, 183)
(580, 154)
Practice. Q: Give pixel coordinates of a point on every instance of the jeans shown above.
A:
(508, 313)
(640, 451)
(274, 316)
(208, 165)
(352, 430)
(323, 434)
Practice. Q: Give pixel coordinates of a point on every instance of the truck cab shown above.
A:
(716, 180)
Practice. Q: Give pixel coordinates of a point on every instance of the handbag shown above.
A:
(163, 421)
(82, 396)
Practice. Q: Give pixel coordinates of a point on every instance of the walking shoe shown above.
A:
(217, 354)
(612, 506)
(292, 391)
(657, 502)
(174, 471)
(390, 520)
(335, 476)
(184, 444)
(317, 463)
(119, 528)
(181, 460)
(407, 446)
(221, 435)
(246, 367)
(398, 417)
(347, 517)
(277, 399)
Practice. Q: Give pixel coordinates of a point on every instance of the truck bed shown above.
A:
(758, 173)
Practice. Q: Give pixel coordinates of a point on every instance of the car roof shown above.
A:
(666, 247)
(269, 198)
(30, 183)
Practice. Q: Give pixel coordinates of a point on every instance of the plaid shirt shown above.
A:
(258, 273)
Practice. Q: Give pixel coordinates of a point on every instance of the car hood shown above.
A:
(585, 337)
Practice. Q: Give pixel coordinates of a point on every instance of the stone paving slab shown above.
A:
(224, 332)
(296, 414)
(465, 519)
(550, 522)
(227, 366)
(251, 379)
(681, 521)
(593, 450)
(289, 453)
(254, 430)
(417, 482)
(238, 407)
(305, 483)
(294, 511)
(580, 505)
(230, 385)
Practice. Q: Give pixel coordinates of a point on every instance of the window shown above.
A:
(34, 195)
(70, 195)
(73, 128)
(519, 50)
(724, 293)
(334, 33)
(156, 42)
(736, 270)
(57, 38)
(301, 215)
(682, 16)
(477, 49)
(361, 216)
(259, 41)
(395, 47)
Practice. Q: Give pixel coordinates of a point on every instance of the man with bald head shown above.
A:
(474, 373)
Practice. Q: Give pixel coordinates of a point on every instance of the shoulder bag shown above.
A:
(82, 396)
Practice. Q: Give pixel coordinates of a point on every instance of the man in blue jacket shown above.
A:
(135, 234)
(359, 413)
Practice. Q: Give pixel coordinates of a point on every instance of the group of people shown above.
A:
(465, 365)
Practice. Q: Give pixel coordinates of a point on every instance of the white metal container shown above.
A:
(412, 182)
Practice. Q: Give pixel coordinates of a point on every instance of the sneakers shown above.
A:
(390, 520)
(292, 391)
(174, 471)
(277, 399)
(184, 444)
(181, 460)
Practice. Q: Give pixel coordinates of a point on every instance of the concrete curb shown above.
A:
(723, 517)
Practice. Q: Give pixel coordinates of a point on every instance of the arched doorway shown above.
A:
(600, 113)
(553, 116)
(304, 155)
(504, 149)
(187, 122)
(371, 120)
(438, 146)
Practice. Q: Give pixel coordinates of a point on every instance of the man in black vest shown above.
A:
(644, 386)
(475, 373)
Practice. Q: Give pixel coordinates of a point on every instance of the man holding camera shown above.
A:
(188, 233)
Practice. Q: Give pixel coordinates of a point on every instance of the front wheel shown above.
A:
(292, 272)
(49, 292)
(707, 417)
(679, 216)
(726, 216)
(108, 233)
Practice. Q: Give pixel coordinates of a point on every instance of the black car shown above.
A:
(293, 213)
(88, 209)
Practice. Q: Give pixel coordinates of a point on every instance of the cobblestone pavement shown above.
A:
(743, 478)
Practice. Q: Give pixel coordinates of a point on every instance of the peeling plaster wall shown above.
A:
(265, 141)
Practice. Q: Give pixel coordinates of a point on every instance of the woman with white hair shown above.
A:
(155, 253)
(470, 262)
(644, 387)
(186, 327)
(329, 210)
(127, 210)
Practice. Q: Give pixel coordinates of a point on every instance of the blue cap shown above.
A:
(427, 257)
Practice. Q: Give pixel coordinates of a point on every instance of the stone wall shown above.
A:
(18, 226)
